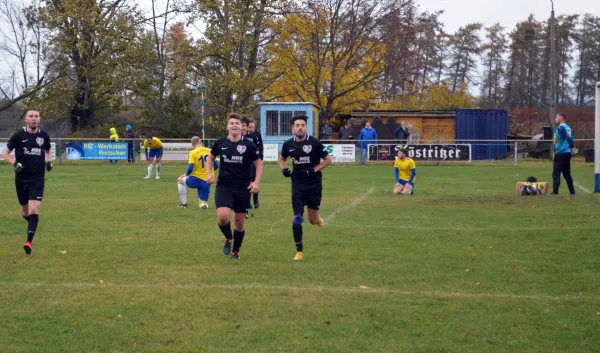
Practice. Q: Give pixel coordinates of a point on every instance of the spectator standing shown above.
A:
(367, 136)
(326, 132)
(130, 134)
(402, 133)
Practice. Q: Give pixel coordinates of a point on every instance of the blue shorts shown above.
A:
(202, 186)
(155, 153)
(404, 182)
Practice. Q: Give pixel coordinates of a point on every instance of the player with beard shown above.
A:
(32, 159)
(308, 157)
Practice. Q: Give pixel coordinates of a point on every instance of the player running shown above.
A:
(32, 159)
(154, 152)
(195, 176)
(308, 158)
(234, 185)
(405, 171)
(257, 139)
(531, 187)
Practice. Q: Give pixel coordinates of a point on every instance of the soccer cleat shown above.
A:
(183, 206)
(299, 256)
(27, 248)
(320, 222)
(147, 177)
(204, 205)
(235, 255)
(227, 246)
(247, 215)
(157, 177)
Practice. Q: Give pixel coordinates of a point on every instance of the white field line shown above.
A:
(266, 287)
(583, 188)
(350, 205)
(466, 229)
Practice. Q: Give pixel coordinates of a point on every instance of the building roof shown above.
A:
(288, 103)
(417, 113)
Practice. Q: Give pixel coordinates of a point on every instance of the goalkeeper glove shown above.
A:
(18, 167)
(286, 172)
(48, 166)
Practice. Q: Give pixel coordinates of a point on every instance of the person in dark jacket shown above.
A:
(346, 133)
(402, 133)
(130, 134)
(326, 132)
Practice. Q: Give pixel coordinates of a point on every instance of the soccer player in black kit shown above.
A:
(309, 157)
(32, 159)
(234, 185)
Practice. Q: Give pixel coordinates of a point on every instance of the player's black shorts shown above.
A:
(29, 190)
(306, 196)
(234, 198)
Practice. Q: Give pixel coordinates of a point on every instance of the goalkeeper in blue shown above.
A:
(195, 176)
(405, 172)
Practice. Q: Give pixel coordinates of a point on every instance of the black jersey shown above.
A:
(30, 152)
(256, 139)
(305, 154)
(236, 157)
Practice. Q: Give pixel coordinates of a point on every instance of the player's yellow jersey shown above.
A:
(198, 157)
(537, 186)
(154, 145)
(404, 167)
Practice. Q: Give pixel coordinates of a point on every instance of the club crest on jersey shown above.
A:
(307, 149)
(40, 141)
(241, 149)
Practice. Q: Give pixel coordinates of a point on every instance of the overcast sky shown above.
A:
(508, 12)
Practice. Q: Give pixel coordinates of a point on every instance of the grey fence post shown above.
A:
(60, 143)
(516, 151)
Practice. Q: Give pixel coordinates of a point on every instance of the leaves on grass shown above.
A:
(196, 253)
(5, 272)
(436, 318)
(172, 284)
(64, 252)
(327, 323)
(238, 326)
(478, 284)
(101, 281)
(472, 329)
(364, 287)
(357, 314)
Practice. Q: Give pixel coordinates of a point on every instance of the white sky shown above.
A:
(508, 12)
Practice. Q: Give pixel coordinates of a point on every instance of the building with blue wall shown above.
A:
(276, 117)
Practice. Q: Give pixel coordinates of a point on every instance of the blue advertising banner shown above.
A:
(97, 151)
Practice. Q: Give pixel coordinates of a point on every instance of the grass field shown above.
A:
(462, 266)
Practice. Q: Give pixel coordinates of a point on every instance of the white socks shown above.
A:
(182, 193)
(150, 169)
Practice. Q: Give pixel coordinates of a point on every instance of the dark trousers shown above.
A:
(130, 155)
(562, 164)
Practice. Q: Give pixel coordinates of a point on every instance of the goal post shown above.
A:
(597, 142)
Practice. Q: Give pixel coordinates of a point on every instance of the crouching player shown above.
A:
(405, 172)
(531, 187)
(195, 176)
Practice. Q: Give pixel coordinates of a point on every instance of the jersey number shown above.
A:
(203, 160)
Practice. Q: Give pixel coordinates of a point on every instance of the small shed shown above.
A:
(276, 117)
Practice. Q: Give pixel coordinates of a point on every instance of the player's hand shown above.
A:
(18, 167)
(49, 166)
(286, 172)
(253, 187)
(210, 179)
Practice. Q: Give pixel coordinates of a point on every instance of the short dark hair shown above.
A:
(149, 137)
(532, 179)
(562, 115)
(251, 120)
(29, 110)
(404, 151)
(245, 120)
(235, 116)
(299, 117)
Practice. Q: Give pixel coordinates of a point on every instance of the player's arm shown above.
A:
(518, 187)
(191, 163)
(209, 168)
(258, 163)
(282, 161)
(544, 186)
(397, 175)
(10, 146)
(326, 158)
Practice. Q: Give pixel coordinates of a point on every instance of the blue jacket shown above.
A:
(367, 137)
(563, 139)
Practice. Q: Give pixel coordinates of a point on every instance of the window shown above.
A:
(272, 123)
(285, 121)
(279, 122)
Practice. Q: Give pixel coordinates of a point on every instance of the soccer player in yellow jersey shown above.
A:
(531, 187)
(405, 171)
(195, 177)
(154, 152)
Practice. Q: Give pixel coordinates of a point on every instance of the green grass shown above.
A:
(462, 266)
